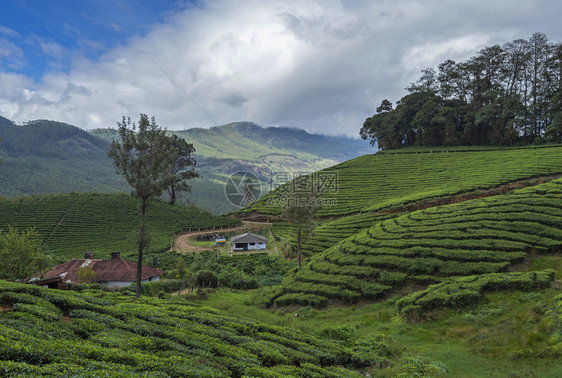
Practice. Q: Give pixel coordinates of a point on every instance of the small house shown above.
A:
(248, 242)
(114, 272)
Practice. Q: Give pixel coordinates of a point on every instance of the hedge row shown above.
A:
(70, 224)
(466, 291)
(479, 236)
(375, 182)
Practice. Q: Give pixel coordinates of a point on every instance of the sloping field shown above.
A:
(70, 224)
(375, 182)
(474, 237)
(56, 333)
(330, 232)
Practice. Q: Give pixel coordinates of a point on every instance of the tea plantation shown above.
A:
(481, 236)
(95, 333)
(70, 224)
(330, 232)
(375, 182)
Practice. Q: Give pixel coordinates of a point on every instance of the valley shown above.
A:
(279, 189)
(435, 276)
(48, 157)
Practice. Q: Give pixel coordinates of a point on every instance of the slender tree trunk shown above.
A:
(172, 194)
(142, 242)
(299, 246)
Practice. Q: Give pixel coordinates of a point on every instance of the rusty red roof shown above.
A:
(106, 270)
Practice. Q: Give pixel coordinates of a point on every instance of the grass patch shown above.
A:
(507, 334)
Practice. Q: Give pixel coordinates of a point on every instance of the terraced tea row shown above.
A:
(328, 233)
(56, 333)
(375, 182)
(70, 224)
(474, 237)
(464, 291)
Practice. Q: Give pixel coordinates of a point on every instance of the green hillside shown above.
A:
(329, 232)
(249, 142)
(57, 333)
(70, 224)
(245, 146)
(47, 157)
(479, 236)
(375, 182)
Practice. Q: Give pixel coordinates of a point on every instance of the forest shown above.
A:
(503, 96)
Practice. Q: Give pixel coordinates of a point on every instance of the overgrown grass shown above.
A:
(507, 334)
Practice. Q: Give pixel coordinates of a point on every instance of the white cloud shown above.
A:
(311, 64)
(11, 55)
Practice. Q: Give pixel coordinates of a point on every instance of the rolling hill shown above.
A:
(409, 218)
(480, 236)
(45, 157)
(423, 180)
(51, 157)
(70, 224)
(372, 183)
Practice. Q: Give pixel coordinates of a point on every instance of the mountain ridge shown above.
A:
(43, 156)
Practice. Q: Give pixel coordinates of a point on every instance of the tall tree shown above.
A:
(517, 58)
(428, 82)
(143, 158)
(380, 129)
(181, 166)
(553, 131)
(537, 70)
(299, 206)
(502, 95)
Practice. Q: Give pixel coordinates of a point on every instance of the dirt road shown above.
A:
(185, 242)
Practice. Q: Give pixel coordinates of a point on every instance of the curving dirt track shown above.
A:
(184, 242)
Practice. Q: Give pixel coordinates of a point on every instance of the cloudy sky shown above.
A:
(319, 65)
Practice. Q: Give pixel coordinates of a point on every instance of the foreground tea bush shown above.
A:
(56, 333)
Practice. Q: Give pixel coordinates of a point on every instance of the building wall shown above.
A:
(125, 283)
(256, 246)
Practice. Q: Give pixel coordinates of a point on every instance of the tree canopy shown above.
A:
(299, 203)
(150, 161)
(180, 168)
(20, 254)
(504, 95)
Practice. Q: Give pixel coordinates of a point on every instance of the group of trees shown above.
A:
(502, 96)
(151, 162)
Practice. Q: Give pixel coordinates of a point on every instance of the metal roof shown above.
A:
(106, 270)
(248, 237)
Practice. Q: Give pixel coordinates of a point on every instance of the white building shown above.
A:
(248, 242)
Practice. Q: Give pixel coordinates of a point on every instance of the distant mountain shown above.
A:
(50, 157)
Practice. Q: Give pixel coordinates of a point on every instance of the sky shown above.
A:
(323, 66)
